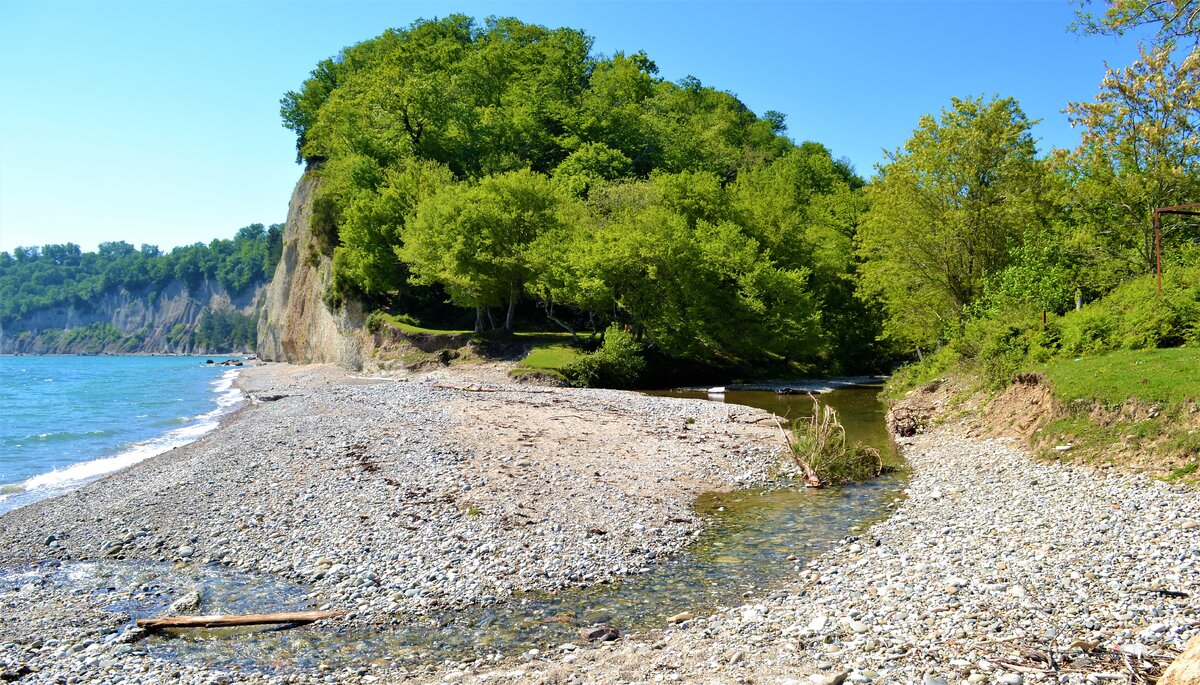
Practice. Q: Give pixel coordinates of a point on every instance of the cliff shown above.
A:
(295, 325)
(123, 322)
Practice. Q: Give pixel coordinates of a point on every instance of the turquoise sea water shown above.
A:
(67, 420)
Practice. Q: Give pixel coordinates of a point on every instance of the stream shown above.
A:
(756, 539)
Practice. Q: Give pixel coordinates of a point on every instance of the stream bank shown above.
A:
(400, 501)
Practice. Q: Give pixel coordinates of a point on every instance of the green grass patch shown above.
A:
(552, 356)
(1184, 472)
(1167, 377)
(409, 328)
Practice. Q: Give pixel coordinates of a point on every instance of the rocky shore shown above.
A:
(394, 499)
(996, 569)
(387, 499)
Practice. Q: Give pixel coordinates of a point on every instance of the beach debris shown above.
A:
(229, 620)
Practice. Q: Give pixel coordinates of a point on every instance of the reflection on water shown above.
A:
(757, 537)
(859, 408)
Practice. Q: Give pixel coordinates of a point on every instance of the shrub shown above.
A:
(819, 448)
(375, 321)
(617, 364)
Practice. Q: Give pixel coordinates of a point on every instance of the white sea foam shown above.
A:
(62, 480)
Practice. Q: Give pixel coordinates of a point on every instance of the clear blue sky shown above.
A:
(158, 122)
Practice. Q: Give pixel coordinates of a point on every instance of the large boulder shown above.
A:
(1186, 669)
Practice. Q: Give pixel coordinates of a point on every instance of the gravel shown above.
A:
(385, 499)
(390, 499)
(991, 561)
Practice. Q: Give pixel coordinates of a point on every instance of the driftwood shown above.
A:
(228, 620)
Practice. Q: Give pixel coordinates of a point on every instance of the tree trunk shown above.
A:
(514, 291)
(479, 319)
(550, 315)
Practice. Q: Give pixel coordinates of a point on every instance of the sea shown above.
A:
(65, 420)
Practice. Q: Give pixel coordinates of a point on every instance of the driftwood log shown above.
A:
(228, 620)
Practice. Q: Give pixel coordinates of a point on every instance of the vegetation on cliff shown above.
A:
(507, 169)
(38, 279)
(501, 171)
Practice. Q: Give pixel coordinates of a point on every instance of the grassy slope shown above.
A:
(1129, 407)
(1167, 377)
(549, 351)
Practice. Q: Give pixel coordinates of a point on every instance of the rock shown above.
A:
(831, 679)
(186, 604)
(1186, 667)
(600, 633)
(186, 551)
(751, 615)
(818, 623)
(1010, 679)
(933, 680)
(857, 626)
(681, 617)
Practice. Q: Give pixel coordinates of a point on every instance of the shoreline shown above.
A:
(991, 557)
(56, 482)
(389, 499)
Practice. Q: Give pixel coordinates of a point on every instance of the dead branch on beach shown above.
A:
(230, 620)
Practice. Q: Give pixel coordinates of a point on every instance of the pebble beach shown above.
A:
(389, 499)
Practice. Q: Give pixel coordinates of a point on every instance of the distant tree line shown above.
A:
(36, 278)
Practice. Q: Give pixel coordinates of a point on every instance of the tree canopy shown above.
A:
(504, 164)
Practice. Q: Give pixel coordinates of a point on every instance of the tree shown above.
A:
(475, 239)
(1174, 19)
(944, 213)
(1140, 150)
(366, 262)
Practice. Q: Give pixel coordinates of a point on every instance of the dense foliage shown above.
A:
(37, 278)
(1002, 260)
(504, 165)
(470, 167)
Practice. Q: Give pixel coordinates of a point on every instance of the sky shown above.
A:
(157, 121)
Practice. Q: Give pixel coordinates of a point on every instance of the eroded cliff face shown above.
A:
(123, 322)
(295, 325)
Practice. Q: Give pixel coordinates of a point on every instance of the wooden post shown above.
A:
(1158, 250)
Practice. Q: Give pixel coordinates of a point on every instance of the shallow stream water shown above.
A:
(755, 540)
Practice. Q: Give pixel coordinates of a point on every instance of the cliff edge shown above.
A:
(295, 325)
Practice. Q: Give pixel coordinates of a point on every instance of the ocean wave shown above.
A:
(67, 478)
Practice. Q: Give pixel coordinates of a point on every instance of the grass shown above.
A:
(819, 448)
(1162, 435)
(414, 330)
(1166, 377)
(550, 356)
(396, 322)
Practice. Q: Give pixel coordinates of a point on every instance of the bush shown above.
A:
(375, 321)
(819, 449)
(617, 364)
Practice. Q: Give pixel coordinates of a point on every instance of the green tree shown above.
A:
(1140, 150)
(366, 262)
(1173, 19)
(476, 239)
(944, 213)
